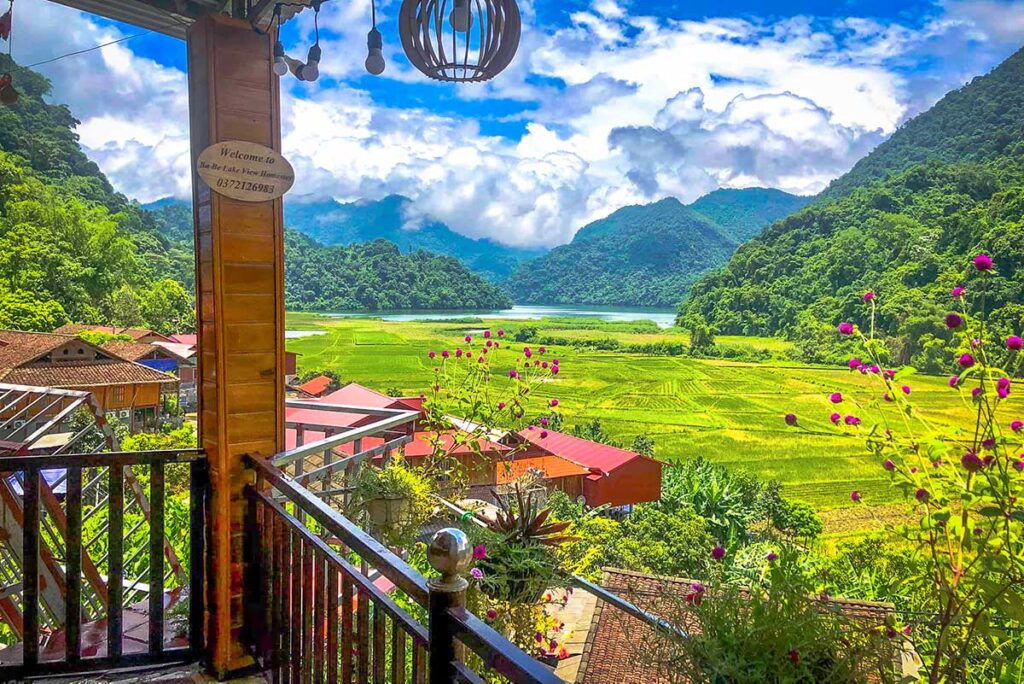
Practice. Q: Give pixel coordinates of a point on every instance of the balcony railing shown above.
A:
(89, 571)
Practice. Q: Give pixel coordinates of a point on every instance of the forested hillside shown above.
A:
(73, 249)
(376, 276)
(909, 238)
(649, 255)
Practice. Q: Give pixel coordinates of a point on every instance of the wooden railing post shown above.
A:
(449, 553)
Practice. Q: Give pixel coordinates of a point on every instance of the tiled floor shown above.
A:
(576, 615)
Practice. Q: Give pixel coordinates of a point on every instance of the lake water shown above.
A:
(662, 317)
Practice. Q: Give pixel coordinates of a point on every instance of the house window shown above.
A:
(119, 394)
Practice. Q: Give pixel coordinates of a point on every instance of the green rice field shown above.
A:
(730, 412)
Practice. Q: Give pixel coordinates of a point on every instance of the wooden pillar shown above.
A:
(233, 95)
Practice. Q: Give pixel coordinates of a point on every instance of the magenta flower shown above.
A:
(544, 421)
(854, 363)
(553, 403)
(468, 339)
(835, 418)
(479, 552)
(431, 355)
(543, 434)
(501, 405)
(913, 470)
(906, 389)
(966, 361)
(488, 343)
(513, 374)
(772, 556)
(976, 391)
(922, 495)
(1017, 425)
(836, 397)
(958, 291)
(718, 553)
(487, 334)
(501, 332)
(554, 362)
(477, 574)
(971, 462)
(794, 656)
(458, 353)
(889, 373)
(886, 396)
(554, 370)
(1014, 343)
(954, 381)
(491, 613)
(852, 420)
(790, 419)
(983, 262)
(855, 496)
(975, 343)
(846, 328)
(875, 369)
(868, 296)
(954, 321)
(1018, 464)
(526, 352)
(544, 365)
(542, 349)
(889, 465)
(988, 442)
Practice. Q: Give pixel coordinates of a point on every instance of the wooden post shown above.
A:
(233, 95)
(449, 553)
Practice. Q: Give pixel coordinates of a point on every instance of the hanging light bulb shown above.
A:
(461, 17)
(311, 70)
(375, 48)
(280, 64)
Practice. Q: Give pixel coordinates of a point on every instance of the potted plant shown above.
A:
(396, 499)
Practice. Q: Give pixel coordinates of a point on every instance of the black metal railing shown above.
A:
(87, 533)
(317, 602)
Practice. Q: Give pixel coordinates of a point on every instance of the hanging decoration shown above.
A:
(308, 71)
(374, 45)
(460, 40)
(8, 95)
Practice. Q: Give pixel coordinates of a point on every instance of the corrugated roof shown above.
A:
(354, 394)
(552, 468)
(316, 386)
(581, 451)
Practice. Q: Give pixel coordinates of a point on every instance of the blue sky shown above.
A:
(607, 103)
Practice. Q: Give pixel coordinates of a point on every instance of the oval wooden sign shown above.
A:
(245, 171)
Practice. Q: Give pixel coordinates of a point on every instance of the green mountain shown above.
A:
(908, 237)
(648, 255)
(73, 249)
(334, 223)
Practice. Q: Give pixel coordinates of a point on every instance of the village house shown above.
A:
(592, 472)
(122, 387)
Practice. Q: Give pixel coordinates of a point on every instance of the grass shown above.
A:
(727, 411)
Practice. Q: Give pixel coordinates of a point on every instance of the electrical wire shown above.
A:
(82, 52)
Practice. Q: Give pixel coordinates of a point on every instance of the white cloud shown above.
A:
(622, 109)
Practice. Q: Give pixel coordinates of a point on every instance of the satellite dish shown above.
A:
(581, 500)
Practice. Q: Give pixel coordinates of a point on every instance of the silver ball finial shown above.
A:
(449, 552)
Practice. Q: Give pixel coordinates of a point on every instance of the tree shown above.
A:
(124, 308)
(167, 307)
(20, 310)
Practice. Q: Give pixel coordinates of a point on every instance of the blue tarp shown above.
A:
(165, 365)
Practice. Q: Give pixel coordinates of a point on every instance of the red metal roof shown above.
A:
(316, 386)
(580, 451)
(190, 339)
(353, 394)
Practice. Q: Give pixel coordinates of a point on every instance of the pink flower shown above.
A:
(983, 262)
(1018, 464)
(553, 403)
(718, 553)
(790, 419)
(468, 339)
(889, 465)
(976, 391)
(975, 343)
(835, 418)
(772, 556)
(543, 434)
(1017, 425)
(458, 353)
(501, 333)
(958, 291)
(501, 405)
(836, 398)
(544, 421)
(971, 462)
(885, 395)
(542, 349)
(491, 613)
(922, 495)
(846, 328)
(906, 389)
(854, 363)
(966, 361)
(431, 355)
(554, 362)
(477, 574)
(445, 354)
(954, 321)
(487, 334)
(1014, 343)
(868, 296)
(479, 552)
(913, 470)
(852, 420)
(539, 637)
(554, 370)
(1003, 387)
(513, 374)
(855, 496)
(488, 343)
(526, 352)
(954, 381)
(889, 373)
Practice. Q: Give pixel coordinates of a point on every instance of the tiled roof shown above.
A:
(131, 351)
(581, 451)
(134, 333)
(553, 467)
(19, 349)
(316, 386)
(617, 642)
